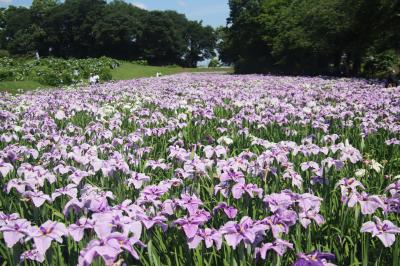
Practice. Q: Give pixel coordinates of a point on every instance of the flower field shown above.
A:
(202, 170)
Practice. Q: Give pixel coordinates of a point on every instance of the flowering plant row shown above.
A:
(202, 170)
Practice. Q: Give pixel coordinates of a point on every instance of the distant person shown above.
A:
(94, 79)
(37, 55)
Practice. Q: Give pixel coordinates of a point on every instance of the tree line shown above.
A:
(93, 28)
(312, 37)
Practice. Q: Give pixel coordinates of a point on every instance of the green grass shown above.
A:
(124, 72)
(130, 71)
(20, 86)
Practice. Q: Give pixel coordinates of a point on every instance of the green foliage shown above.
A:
(380, 65)
(162, 42)
(214, 62)
(56, 72)
(105, 74)
(4, 53)
(201, 42)
(141, 62)
(94, 28)
(6, 74)
(314, 37)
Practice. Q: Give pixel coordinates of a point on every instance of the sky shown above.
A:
(211, 12)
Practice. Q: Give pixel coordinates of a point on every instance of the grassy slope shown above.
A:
(20, 86)
(131, 71)
(125, 71)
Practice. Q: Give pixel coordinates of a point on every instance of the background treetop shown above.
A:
(93, 28)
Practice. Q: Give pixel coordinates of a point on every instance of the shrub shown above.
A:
(4, 53)
(141, 62)
(49, 77)
(56, 71)
(105, 74)
(6, 74)
(381, 64)
(214, 63)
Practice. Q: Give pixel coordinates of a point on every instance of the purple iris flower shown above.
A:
(279, 246)
(217, 151)
(77, 176)
(14, 231)
(231, 175)
(37, 197)
(280, 222)
(77, 230)
(307, 165)
(393, 188)
(190, 203)
(369, 204)
(385, 230)
(150, 221)
(19, 184)
(5, 168)
(108, 249)
(46, 233)
(33, 255)
(350, 153)
(70, 190)
(7, 218)
(230, 211)
(190, 225)
(246, 230)
(307, 216)
(209, 236)
(315, 258)
(277, 201)
(168, 207)
(107, 222)
(250, 189)
(137, 180)
(295, 177)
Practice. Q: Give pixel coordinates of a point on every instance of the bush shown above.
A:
(380, 65)
(214, 63)
(105, 74)
(56, 71)
(49, 77)
(4, 53)
(141, 62)
(6, 74)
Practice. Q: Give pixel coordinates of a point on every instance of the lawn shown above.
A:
(130, 71)
(19, 86)
(126, 71)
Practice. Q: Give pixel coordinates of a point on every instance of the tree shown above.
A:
(161, 42)
(200, 43)
(70, 27)
(246, 46)
(17, 32)
(93, 28)
(117, 32)
(311, 37)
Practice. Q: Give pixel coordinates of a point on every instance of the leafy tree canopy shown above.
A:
(93, 28)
